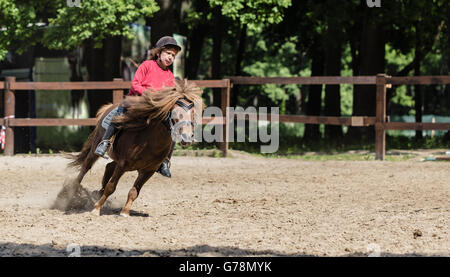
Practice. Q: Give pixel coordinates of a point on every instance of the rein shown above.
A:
(169, 121)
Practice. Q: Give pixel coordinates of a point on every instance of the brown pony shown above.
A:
(146, 132)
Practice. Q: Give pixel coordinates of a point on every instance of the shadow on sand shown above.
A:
(48, 250)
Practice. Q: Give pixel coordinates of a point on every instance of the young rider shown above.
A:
(153, 73)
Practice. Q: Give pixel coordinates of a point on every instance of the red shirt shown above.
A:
(151, 75)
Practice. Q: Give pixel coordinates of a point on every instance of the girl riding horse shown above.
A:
(152, 75)
(150, 126)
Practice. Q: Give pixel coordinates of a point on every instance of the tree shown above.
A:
(56, 25)
(199, 27)
(225, 23)
(252, 15)
(166, 21)
(416, 27)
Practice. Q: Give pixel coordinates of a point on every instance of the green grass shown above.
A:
(345, 157)
(330, 155)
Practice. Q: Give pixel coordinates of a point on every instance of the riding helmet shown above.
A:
(168, 41)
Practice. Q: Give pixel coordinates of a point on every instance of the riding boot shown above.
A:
(164, 168)
(103, 146)
(111, 129)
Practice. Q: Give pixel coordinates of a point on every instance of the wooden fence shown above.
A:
(118, 86)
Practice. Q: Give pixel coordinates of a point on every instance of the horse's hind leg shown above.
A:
(86, 166)
(109, 189)
(83, 172)
(134, 191)
(109, 170)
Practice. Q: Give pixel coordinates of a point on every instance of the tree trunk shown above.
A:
(238, 65)
(418, 101)
(333, 68)
(446, 137)
(355, 57)
(103, 64)
(372, 62)
(418, 89)
(313, 106)
(113, 51)
(196, 43)
(216, 53)
(166, 21)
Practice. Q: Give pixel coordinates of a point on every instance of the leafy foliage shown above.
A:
(279, 39)
(254, 13)
(56, 25)
(276, 65)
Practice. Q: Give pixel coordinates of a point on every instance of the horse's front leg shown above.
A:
(109, 189)
(109, 170)
(134, 191)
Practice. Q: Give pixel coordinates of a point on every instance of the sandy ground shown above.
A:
(240, 206)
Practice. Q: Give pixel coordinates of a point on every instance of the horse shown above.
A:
(151, 123)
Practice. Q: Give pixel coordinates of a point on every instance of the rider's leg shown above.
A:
(105, 143)
(164, 168)
(111, 130)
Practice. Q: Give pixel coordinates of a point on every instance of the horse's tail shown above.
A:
(86, 157)
(80, 158)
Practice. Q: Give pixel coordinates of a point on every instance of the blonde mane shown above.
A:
(156, 104)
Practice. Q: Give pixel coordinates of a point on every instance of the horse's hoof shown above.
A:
(95, 212)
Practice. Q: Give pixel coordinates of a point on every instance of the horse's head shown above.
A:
(182, 122)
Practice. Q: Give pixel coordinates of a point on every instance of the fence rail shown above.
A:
(380, 120)
(319, 80)
(416, 126)
(419, 80)
(117, 84)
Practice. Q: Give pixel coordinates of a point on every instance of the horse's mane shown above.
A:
(156, 104)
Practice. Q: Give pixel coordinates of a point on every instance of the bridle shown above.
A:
(169, 121)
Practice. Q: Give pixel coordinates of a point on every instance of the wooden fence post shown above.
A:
(10, 108)
(380, 131)
(117, 93)
(225, 103)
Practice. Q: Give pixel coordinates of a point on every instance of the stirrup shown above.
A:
(168, 163)
(168, 173)
(102, 147)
